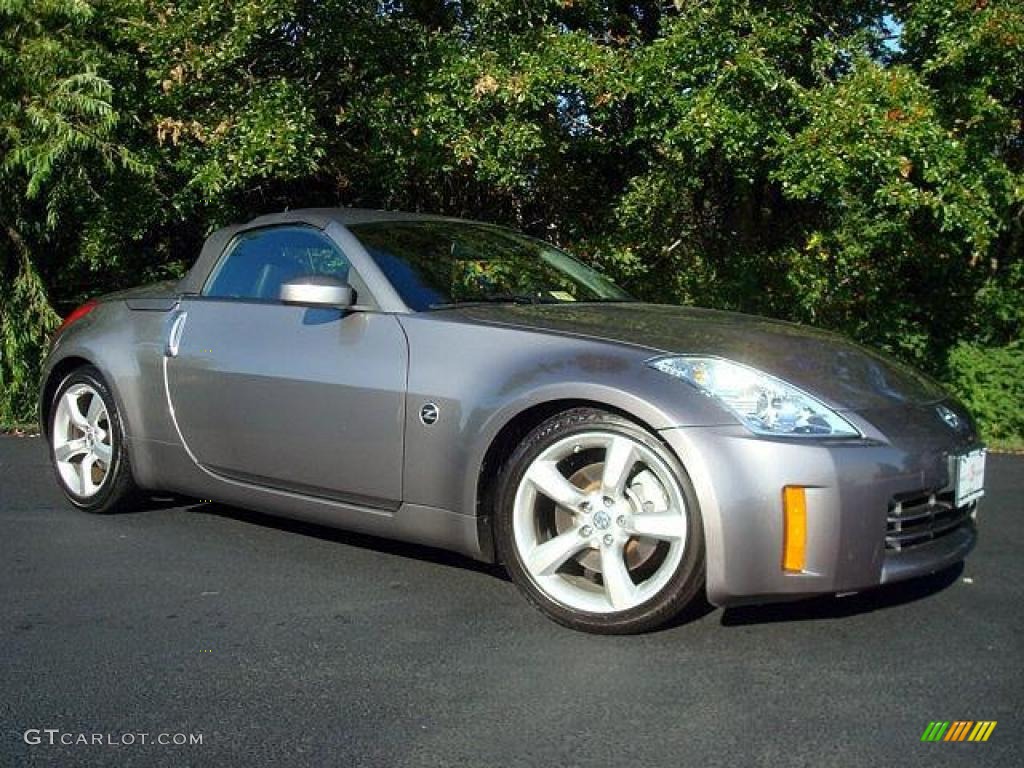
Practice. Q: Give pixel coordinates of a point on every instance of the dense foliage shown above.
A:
(855, 165)
(992, 385)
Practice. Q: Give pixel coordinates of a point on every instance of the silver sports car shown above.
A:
(463, 386)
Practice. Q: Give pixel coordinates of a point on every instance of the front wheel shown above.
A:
(598, 525)
(87, 444)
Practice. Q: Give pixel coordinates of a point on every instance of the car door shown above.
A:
(298, 398)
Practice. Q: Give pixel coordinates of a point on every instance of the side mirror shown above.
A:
(318, 291)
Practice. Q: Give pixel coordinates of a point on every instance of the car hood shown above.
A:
(843, 374)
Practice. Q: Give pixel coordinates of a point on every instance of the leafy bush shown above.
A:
(990, 382)
(25, 317)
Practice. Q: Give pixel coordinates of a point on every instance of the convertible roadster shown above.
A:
(463, 386)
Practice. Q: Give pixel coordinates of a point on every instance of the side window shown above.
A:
(259, 262)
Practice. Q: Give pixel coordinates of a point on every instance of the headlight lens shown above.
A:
(766, 405)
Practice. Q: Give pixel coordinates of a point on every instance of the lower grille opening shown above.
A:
(923, 516)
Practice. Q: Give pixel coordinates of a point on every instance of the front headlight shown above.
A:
(766, 405)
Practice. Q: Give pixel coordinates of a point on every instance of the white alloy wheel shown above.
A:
(599, 522)
(82, 440)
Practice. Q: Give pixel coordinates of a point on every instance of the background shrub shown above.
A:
(990, 381)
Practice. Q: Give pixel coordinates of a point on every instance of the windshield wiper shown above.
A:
(497, 298)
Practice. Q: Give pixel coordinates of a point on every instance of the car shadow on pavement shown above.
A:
(349, 538)
(831, 607)
(157, 502)
(809, 609)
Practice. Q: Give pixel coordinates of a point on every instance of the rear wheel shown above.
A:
(87, 444)
(598, 524)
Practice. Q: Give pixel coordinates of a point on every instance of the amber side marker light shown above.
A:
(77, 314)
(794, 532)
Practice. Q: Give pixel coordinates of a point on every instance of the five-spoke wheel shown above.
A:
(81, 440)
(86, 441)
(602, 528)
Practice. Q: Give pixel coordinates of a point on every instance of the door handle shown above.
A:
(174, 335)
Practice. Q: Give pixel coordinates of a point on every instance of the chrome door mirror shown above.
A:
(318, 291)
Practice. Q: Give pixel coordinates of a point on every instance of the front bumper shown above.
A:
(850, 489)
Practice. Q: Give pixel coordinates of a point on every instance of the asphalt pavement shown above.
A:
(278, 643)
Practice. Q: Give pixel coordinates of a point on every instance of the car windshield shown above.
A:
(438, 264)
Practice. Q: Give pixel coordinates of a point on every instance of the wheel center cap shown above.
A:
(602, 520)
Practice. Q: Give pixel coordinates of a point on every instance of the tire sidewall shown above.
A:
(112, 482)
(671, 599)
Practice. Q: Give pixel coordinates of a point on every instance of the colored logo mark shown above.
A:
(958, 730)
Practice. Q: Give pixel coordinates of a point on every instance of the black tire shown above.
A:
(118, 491)
(684, 585)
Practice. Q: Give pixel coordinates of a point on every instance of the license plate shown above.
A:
(970, 477)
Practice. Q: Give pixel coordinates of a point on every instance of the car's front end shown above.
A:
(829, 468)
(792, 517)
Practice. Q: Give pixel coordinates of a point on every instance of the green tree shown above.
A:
(58, 143)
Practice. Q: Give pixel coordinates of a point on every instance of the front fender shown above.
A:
(482, 377)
